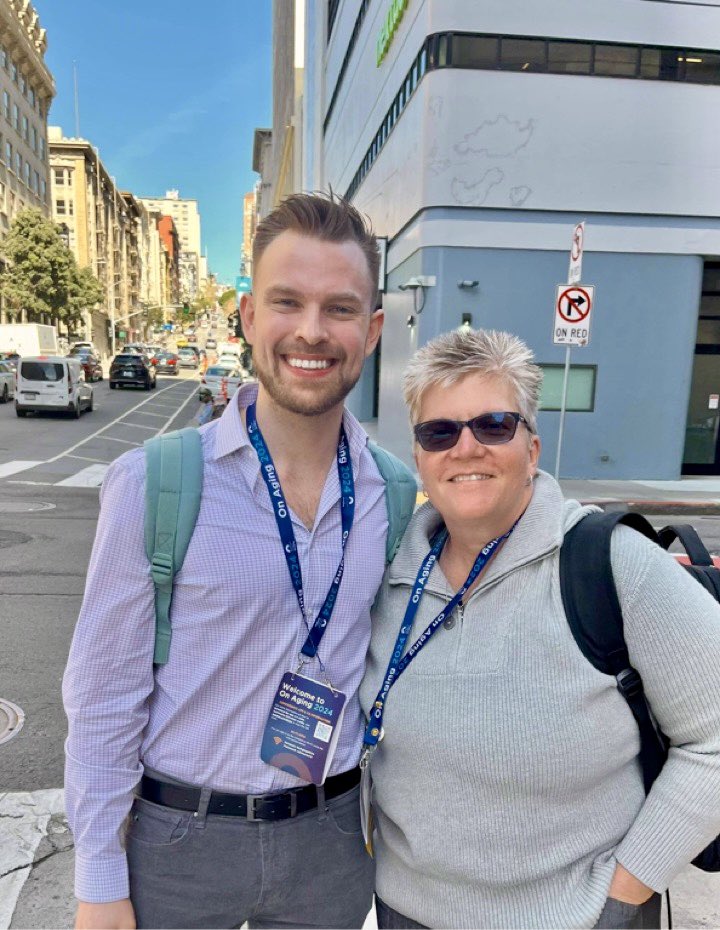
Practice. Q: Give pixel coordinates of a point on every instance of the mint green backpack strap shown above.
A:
(173, 487)
(400, 495)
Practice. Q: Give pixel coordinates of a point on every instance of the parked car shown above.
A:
(232, 375)
(188, 358)
(166, 363)
(7, 382)
(132, 368)
(51, 382)
(91, 364)
(10, 358)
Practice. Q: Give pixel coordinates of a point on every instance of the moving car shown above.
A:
(132, 368)
(7, 382)
(90, 362)
(211, 343)
(228, 358)
(232, 375)
(166, 363)
(11, 359)
(51, 382)
(188, 358)
(181, 341)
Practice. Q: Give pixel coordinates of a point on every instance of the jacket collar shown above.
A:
(540, 531)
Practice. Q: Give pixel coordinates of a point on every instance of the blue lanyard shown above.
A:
(398, 664)
(285, 528)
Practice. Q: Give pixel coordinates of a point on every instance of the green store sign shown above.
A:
(392, 21)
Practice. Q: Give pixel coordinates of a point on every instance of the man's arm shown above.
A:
(107, 682)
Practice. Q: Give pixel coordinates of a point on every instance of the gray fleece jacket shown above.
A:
(507, 785)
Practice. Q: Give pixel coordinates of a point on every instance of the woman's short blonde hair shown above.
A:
(451, 356)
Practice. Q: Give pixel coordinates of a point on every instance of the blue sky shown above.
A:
(170, 97)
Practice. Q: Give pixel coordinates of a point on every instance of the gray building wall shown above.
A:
(642, 341)
(283, 80)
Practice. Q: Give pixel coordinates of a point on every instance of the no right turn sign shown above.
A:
(573, 305)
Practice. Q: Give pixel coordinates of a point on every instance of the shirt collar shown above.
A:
(231, 435)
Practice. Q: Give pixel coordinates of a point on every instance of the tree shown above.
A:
(41, 277)
(227, 297)
(84, 291)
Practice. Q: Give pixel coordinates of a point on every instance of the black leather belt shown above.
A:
(278, 806)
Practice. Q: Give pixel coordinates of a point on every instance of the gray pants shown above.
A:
(194, 871)
(615, 915)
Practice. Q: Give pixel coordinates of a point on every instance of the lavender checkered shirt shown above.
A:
(236, 628)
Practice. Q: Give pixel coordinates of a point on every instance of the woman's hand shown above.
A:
(625, 887)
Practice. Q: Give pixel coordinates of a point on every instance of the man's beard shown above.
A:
(297, 401)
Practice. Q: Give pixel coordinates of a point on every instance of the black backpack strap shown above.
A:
(687, 535)
(593, 613)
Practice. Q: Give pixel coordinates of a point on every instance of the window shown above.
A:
(23, 84)
(18, 164)
(13, 71)
(27, 174)
(569, 57)
(16, 116)
(616, 60)
(42, 149)
(36, 182)
(6, 105)
(59, 176)
(523, 55)
(34, 139)
(26, 129)
(3, 57)
(8, 154)
(60, 207)
(702, 67)
(475, 52)
(31, 96)
(43, 189)
(580, 392)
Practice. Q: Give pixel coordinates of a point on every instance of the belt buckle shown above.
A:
(252, 798)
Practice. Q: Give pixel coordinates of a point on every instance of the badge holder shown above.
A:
(303, 727)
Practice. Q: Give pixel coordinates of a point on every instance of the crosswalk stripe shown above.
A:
(90, 477)
(12, 468)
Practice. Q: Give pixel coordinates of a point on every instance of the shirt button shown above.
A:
(449, 623)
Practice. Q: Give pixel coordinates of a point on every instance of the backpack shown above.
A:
(173, 489)
(593, 612)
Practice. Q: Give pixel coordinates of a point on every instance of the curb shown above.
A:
(679, 508)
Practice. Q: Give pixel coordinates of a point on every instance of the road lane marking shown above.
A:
(128, 442)
(147, 413)
(12, 468)
(110, 425)
(137, 426)
(44, 484)
(90, 477)
(181, 407)
(85, 458)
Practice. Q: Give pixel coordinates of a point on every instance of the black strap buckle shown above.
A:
(629, 683)
(258, 800)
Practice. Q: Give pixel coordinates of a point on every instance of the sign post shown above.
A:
(573, 304)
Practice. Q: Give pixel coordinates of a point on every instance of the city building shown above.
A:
(111, 232)
(186, 217)
(475, 136)
(262, 163)
(249, 224)
(170, 238)
(27, 89)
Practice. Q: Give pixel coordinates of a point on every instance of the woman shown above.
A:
(506, 785)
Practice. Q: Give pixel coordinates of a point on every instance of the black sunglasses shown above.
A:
(490, 429)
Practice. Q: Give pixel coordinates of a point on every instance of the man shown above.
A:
(205, 411)
(187, 736)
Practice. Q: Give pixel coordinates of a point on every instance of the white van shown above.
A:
(51, 382)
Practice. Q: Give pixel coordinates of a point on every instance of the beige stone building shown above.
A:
(26, 92)
(186, 215)
(110, 232)
(249, 224)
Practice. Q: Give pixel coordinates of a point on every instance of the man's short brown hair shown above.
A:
(323, 216)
